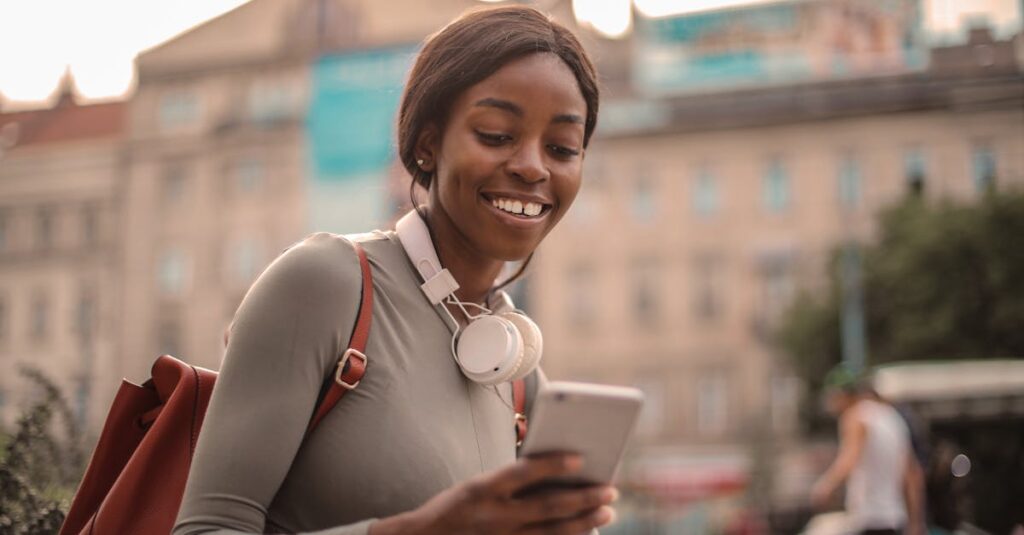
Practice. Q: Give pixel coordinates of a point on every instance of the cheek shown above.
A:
(465, 166)
(567, 188)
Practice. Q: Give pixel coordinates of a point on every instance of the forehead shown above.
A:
(538, 82)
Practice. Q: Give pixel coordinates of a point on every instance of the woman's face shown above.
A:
(509, 161)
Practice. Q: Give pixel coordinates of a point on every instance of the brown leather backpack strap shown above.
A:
(519, 400)
(352, 364)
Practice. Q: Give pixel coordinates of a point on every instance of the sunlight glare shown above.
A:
(611, 18)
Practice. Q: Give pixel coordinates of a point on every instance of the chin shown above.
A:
(509, 252)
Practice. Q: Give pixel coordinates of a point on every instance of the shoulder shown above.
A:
(854, 418)
(320, 265)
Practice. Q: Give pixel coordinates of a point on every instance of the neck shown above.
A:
(474, 271)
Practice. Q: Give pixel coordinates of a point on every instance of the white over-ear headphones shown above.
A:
(495, 347)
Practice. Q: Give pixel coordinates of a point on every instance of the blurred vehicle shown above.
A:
(972, 415)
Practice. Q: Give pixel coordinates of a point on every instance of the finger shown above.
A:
(564, 504)
(582, 524)
(527, 471)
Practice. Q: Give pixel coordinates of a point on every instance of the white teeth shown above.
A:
(529, 209)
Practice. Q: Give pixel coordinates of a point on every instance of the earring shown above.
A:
(419, 162)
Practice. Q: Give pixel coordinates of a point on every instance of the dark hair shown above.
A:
(467, 51)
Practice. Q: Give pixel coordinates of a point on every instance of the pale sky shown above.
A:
(98, 39)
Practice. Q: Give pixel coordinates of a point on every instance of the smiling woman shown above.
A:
(497, 118)
(498, 111)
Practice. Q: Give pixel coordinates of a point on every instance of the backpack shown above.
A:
(136, 476)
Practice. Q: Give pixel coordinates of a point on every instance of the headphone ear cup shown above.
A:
(490, 350)
(533, 343)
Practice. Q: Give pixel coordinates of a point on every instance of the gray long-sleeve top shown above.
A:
(414, 426)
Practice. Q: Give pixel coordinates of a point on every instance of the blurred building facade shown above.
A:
(704, 214)
(214, 189)
(60, 173)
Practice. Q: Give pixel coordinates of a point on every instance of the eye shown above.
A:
(564, 152)
(493, 139)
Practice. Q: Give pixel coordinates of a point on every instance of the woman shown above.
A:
(498, 109)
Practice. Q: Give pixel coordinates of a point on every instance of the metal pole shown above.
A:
(853, 337)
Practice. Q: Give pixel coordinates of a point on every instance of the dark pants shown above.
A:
(881, 532)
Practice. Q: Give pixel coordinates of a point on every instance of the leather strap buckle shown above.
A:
(350, 352)
(520, 428)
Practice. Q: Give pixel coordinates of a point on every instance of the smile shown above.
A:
(517, 211)
(512, 206)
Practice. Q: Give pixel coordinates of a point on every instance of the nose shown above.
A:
(527, 163)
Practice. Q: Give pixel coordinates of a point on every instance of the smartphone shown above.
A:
(593, 420)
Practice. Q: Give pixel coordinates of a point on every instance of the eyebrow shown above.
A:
(516, 110)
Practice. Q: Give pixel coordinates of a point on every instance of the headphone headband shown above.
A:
(496, 347)
(415, 238)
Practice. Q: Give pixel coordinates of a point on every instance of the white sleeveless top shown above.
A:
(874, 493)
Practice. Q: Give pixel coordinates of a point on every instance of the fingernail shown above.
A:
(612, 494)
(604, 515)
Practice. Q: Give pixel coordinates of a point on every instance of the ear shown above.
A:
(427, 147)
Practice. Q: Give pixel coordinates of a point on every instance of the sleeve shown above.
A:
(286, 334)
(534, 382)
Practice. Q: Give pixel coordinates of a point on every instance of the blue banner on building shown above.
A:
(351, 136)
(781, 42)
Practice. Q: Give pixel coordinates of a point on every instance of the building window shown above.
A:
(172, 272)
(246, 260)
(39, 323)
(645, 294)
(705, 193)
(849, 181)
(178, 109)
(775, 187)
(983, 167)
(173, 183)
(3, 319)
(586, 207)
(777, 286)
(272, 100)
(4, 231)
(652, 417)
(44, 228)
(785, 401)
(168, 338)
(249, 175)
(90, 226)
(85, 315)
(915, 170)
(643, 198)
(712, 404)
(707, 288)
(581, 305)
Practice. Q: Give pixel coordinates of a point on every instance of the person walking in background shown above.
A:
(875, 459)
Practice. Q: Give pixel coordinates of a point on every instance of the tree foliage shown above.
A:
(41, 465)
(942, 281)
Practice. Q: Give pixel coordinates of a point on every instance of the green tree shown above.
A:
(942, 281)
(40, 466)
